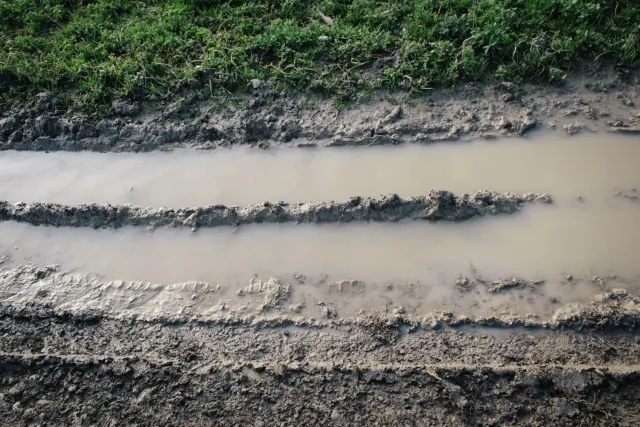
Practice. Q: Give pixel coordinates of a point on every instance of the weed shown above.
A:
(340, 104)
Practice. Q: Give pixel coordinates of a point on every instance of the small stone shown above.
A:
(329, 313)
(508, 97)
(255, 83)
(327, 19)
(323, 38)
(335, 415)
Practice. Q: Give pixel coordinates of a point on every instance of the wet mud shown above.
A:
(203, 389)
(78, 347)
(46, 291)
(106, 368)
(438, 205)
(584, 103)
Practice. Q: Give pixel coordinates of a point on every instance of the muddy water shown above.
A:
(593, 166)
(542, 242)
(597, 234)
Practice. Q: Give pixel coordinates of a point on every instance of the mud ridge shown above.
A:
(598, 102)
(32, 292)
(438, 205)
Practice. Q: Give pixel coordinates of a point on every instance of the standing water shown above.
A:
(589, 230)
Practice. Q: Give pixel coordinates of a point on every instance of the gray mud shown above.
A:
(438, 205)
(585, 103)
(42, 292)
(78, 350)
(78, 367)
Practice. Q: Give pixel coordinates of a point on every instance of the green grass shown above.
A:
(89, 52)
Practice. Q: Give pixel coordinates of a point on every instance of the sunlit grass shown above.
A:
(91, 52)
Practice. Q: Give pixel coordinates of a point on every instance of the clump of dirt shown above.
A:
(498, 285)
(614, 309)
(438, 205)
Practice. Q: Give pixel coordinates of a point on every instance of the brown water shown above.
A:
(539, 242)
(597, 235)
(542, 242)
(593, 166)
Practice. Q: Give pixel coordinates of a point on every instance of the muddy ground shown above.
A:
(79, 350)
(64, 365)
(604, 101)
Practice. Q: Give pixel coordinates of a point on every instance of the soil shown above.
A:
(601, 102)
(438, 205)
(70, 364)
(78, 350)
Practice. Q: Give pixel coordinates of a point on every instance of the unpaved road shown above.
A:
(530, 318)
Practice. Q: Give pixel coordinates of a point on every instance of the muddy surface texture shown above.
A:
(438, 205)
(31, 290)
(603, 101)
(77, 366)
(78, 349)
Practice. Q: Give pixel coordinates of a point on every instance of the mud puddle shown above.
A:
(592, 166)
(419, 266)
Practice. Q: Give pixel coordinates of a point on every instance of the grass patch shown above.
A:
(90, 52)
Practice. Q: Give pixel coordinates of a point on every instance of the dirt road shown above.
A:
(421, 309)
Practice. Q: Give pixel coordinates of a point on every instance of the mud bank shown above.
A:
(438, 205)
(43, 292)
(113, 371)
(584, 103)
